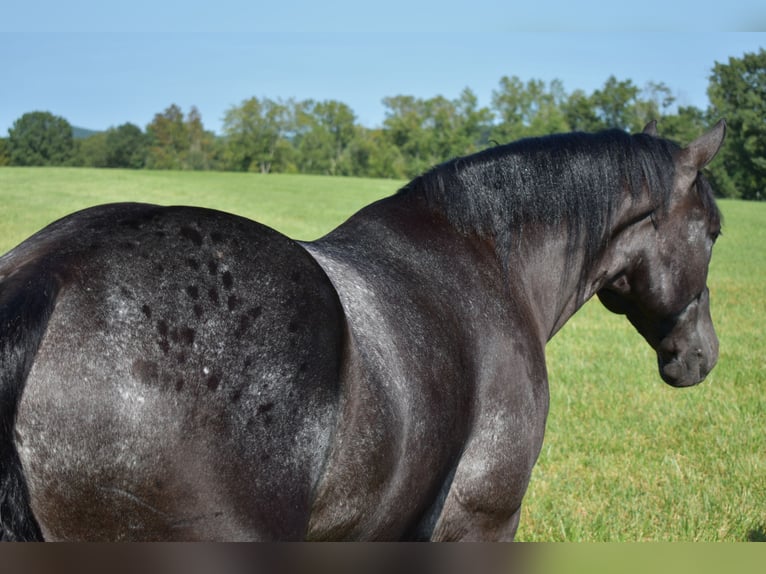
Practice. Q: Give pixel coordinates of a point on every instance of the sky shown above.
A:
(101, 64)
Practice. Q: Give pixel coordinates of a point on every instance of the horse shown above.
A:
(178, 373)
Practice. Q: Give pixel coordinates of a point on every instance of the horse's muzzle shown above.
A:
(688, 369)
(690, 351)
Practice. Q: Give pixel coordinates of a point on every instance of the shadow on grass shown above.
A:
(757, 534)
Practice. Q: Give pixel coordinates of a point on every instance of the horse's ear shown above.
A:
(651, 128)
(701, 151)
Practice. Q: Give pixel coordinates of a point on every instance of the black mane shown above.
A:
(574, 178)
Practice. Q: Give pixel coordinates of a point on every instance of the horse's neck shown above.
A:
(540, 274)
(557, 282)
(390, 235)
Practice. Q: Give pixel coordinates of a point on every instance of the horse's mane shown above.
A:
(576, 178)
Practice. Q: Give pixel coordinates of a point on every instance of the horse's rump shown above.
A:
(190, 364)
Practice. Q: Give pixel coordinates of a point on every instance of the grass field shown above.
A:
(303, 207)
(625, 457)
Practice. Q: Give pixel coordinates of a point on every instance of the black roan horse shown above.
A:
(176, 373)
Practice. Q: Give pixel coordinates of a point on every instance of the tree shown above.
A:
(475, 123)
(530, 109)
(201, 151)
(442, 125)
(404, 129)
(622, 105)
(654, 100)
(371, 154)
(580, 112)
(5, 158)
(178, 142)
(40, 138)
(168, 139)
(684, 126)
(91, 151)
(737, 92)
(125, 146)
(324, 133)
(256, 134)
(455, 127)
(615, 105)
(428, 132)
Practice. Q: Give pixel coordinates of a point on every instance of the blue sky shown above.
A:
(101, 64)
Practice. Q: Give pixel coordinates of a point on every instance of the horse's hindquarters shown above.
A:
(107, 478)
(184, 389)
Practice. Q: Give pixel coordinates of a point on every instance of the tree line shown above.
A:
(324, 137)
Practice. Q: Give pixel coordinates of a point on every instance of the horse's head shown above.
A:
(662, 287)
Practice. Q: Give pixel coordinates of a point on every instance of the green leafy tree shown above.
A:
(339, 121)
(324, 132)
(652, 103)
(168, 139)
(5, 158)
(528, 109)
(257, 133)
(175, 141)
(620, 104)
(404, 127)
(475, 123)
(455, 127)
(737, 92)
(201, 151)
(40, 138)
(91, 151)
(371, 154)
(125, 146)
(580, 112)
(428, 132)
(513, 107)
(683, 126)
(615, 105)
(442, 126)
(686, 125)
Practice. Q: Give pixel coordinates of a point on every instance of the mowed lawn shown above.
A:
(625, 457)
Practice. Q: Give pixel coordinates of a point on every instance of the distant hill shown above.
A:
(82, 133)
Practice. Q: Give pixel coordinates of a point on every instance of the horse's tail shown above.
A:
(26, 303)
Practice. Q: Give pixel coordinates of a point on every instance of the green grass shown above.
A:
(625, 456)
(303, 207)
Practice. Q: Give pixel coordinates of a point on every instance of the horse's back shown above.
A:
(186, 384)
